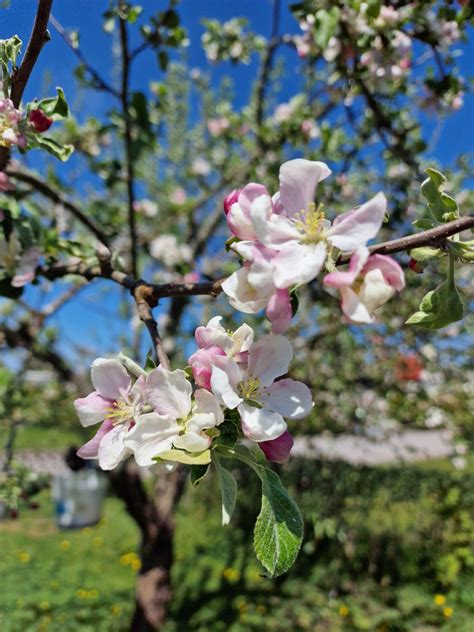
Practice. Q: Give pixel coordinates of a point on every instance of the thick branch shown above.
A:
(44, 188)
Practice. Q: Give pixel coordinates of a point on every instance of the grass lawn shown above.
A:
(67, 580)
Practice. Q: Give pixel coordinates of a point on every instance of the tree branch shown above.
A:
(128, 144)
(46, 190)
(39, 36)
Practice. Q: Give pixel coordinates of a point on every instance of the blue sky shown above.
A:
(90, 319)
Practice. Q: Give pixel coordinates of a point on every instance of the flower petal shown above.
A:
(192, 442)
(354, 310)
(112, 449)
(355, 228)
(261, 424)
(90, 450)
(390, 269)
(279, 311)
(224, 380)
(169, 392)
(151, 435)
(298, 263)
(291, 398)
(201, 364)
(110, 378)
(269, 358)
(207, 403)
(298, 180)
(92, 409)
(346, 279)
(242, 295)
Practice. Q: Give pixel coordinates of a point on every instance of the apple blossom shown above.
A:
(10, 117)
(177, 421)
(262, 403)
(369, 282)
(5, 182)
(278, 450)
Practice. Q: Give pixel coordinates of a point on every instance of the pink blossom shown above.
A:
(26, 269)
(178, 196)
(230, 199)
(278, 450)
(218, 126)
(262, 403)
(5, 182)
(201, 364)
(369, 282)
(10, 118)
(238, 215)
(39, 121)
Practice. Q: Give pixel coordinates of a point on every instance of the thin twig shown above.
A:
(128, 144)
(45, 189)
(146, 301)
(100, 82)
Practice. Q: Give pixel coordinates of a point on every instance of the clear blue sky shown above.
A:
(90, 320)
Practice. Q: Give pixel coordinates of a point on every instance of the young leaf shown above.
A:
(63, 152)
(131, 366)
(441, 206)
(279, 527)
(228, 487)
(198, 472)
(440, 307)
(55, 107)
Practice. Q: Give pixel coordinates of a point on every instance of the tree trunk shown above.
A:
(155, 517)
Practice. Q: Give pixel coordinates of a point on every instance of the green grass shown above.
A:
(40, 438)
(67, 580)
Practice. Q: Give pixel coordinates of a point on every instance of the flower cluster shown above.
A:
(230, 41)
(285, 241)
(19, 264)
(160, 416)
(10, 132)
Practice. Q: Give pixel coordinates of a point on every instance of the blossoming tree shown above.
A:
(244, 180)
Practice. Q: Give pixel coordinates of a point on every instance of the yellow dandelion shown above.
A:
(439, 600)
(448, 612)
(98, 541)
(136, 565)
(24, 557)
(44, 605)
(231, 574)
(116, 610)
(344, 611)
(86, 530)
(54, 584)
(81, 593)
(65, 545)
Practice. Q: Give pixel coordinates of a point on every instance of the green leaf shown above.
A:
(55, 107)
(441, 206)
(279, 527)
(150, 363)
(198, 472)
(439, 307)
(327, 22)
(424, 223)
(199, 458)
(425, 253)
(63, 152)
(163, 60)
(228, 487)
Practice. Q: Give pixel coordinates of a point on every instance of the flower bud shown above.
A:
(39, 121)
(230, 199)
(415, 266)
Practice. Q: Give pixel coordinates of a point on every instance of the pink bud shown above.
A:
(39, 121)
(415, 266)
(278, 450)
(230, 199)
(201, 365)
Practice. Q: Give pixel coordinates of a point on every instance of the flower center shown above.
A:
(249, 388)
(311, 223)
(120, 412)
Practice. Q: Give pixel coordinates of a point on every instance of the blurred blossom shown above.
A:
(169, 251)
(178, 196)
(459, 462)
(201, 167)
(435, 417)
(218, 126)
(146, 207)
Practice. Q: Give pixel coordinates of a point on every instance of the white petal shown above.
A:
(261, 424)
(92, 409)
(290, 398)
(169, 392)
(269, 358)
(353, 308)
(298, 263)
(223, 388)
(298, 180)
(375, 291)
(192, 442)
(207, 403)
(355, 228)
(242, 295)
(112, 449)
(109, 378)
(152, 434)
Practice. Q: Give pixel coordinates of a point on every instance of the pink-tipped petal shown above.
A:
(391, 270)
(340, 279)
(279, 311)
(355, 228)
(90, 450)
(201, 364)
(92, 409)
(298, 180)
(109, 378)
